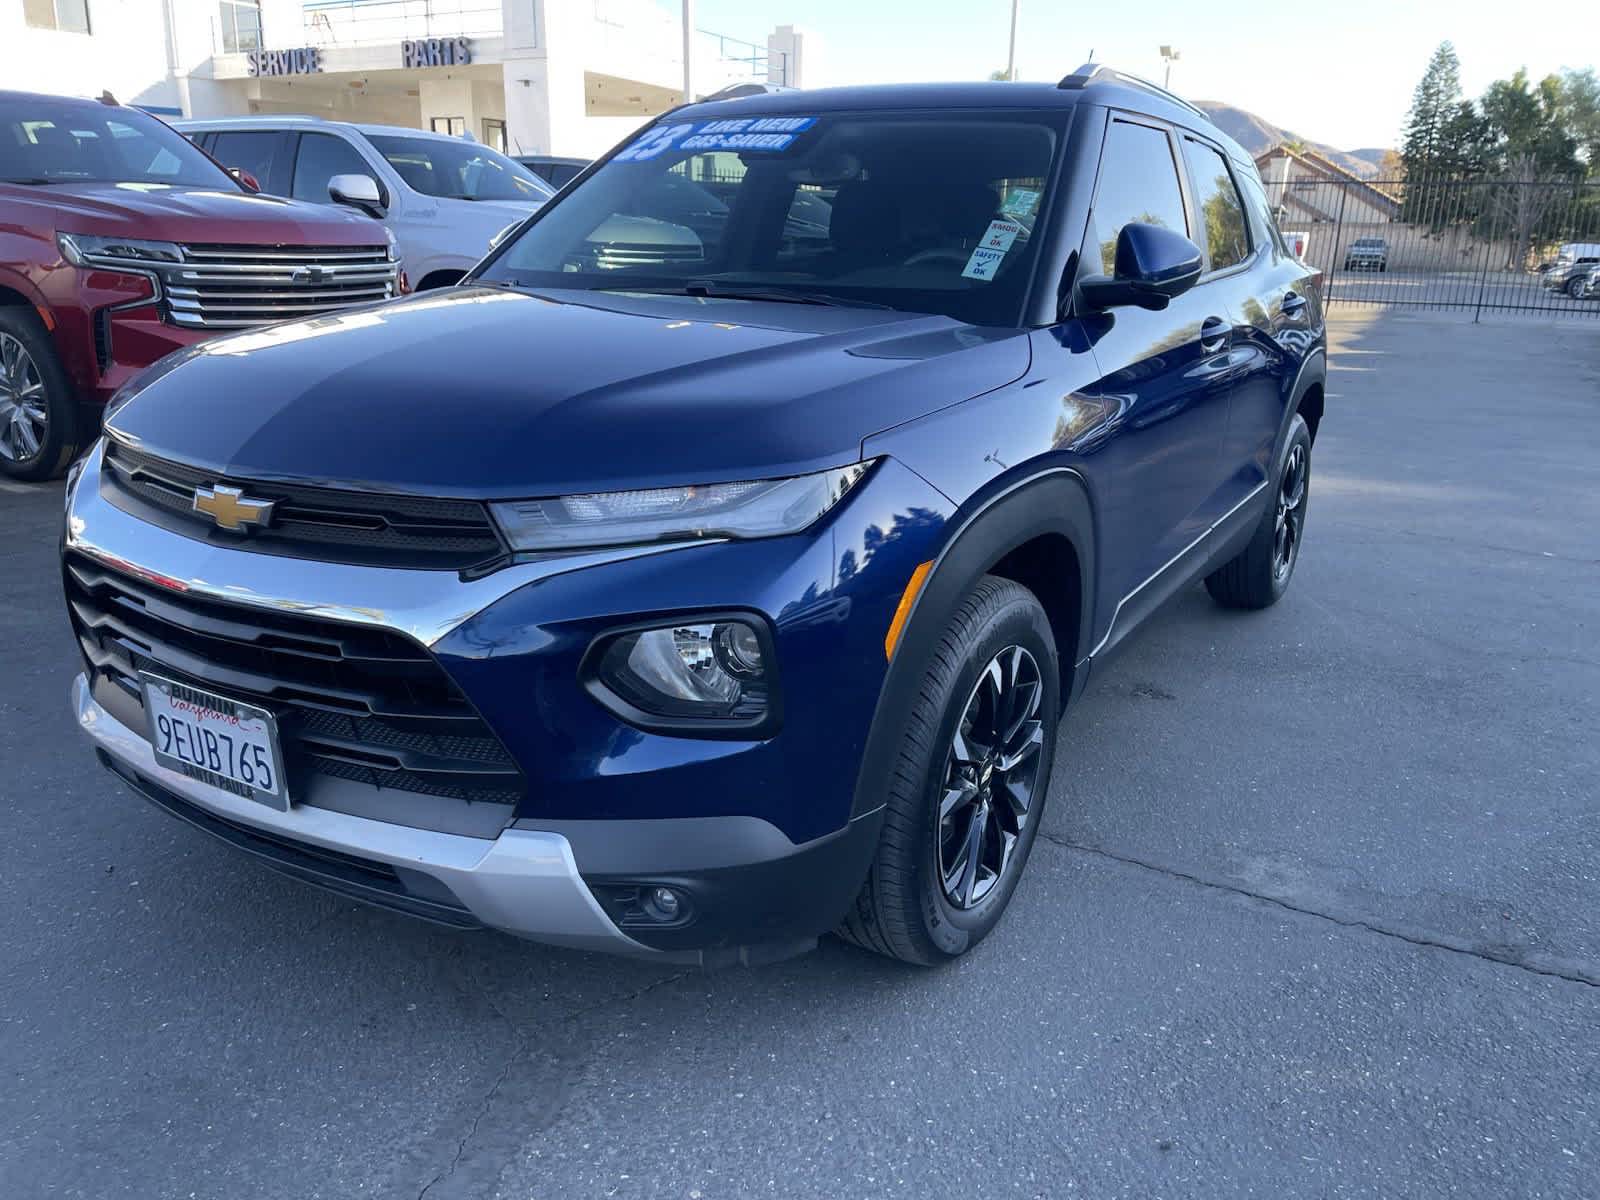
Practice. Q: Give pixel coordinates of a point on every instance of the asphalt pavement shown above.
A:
(1315, 912)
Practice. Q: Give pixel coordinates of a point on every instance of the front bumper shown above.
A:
(767, 838)
(524, 882)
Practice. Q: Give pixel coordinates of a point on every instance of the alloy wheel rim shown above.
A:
(1291, 513)
(991, 773)
(24, 420)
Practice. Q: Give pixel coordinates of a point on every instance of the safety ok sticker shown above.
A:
(991, 250)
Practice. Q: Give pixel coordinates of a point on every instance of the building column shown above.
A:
(544, 72)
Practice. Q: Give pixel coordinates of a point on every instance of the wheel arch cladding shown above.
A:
(1038, 533)
(1311, 406)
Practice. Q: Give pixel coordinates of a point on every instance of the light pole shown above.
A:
(1011, 54)
(688, 51)
(1172, 56)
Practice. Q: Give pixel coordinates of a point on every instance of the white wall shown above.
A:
(143, 51)
(127, 52)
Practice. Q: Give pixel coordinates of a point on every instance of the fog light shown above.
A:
(662, 904)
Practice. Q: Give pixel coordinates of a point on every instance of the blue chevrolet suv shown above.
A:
(713, 567)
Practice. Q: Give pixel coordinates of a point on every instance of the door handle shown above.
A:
(1214, 334)
(1292, 304)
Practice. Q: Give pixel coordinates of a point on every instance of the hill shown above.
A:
(1256, 134)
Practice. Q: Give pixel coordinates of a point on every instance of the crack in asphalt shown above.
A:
(524, 1044)
(1572, 974)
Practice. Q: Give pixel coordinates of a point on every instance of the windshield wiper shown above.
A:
(714, 291)
(32, 181)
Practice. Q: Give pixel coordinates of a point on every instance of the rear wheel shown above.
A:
(1259, 574)
(964, 800)
(38, 413)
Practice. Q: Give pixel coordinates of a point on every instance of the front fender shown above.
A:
(1052, 503)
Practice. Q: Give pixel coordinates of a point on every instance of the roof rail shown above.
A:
(1100, 73)
(735, 90)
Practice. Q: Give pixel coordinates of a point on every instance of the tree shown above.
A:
(1436, 100)
(1532, 154)
(1579, 113)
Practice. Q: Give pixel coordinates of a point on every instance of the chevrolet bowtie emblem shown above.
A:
(232, 509)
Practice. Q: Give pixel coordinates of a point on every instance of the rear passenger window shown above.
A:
(1138, 184)
(1265, 222)
(1221, 211)
(252, 152)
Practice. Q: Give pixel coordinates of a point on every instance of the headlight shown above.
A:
(85, 249)
(710, 675)
(755, 509)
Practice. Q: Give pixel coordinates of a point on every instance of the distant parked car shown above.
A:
(120, 243)
(1571, 270)
(553, 169)
(443, 198)
(1367, 254)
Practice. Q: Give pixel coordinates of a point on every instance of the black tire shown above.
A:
(1258, 575)
(1575, 287)
(39, 421)
(903, 909)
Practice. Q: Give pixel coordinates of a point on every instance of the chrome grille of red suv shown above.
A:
(234, 287)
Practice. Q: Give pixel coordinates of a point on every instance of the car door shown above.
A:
(1165, 377)
(1264, 295)
(319, 157)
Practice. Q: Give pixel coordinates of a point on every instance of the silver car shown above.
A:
(444, 198)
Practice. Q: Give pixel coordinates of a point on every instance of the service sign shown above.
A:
(307, 60)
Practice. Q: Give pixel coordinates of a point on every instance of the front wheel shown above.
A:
(1259, 574)
(38, 413)
(964, 799)
(1576, 286)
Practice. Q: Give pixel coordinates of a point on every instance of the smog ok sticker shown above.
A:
(1000, 235)
(991, 250)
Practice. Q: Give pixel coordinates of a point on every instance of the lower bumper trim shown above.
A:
(524, 882)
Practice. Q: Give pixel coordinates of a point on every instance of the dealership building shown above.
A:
(567, 77)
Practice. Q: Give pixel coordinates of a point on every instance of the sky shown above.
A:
(1340, 73)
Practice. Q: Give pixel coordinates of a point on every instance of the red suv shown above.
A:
(120, 241)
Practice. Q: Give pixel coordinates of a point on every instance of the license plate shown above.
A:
(226, 743)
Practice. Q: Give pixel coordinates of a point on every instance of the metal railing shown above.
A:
(368, 22)
(1484, 244)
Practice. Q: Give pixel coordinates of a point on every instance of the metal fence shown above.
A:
(1482, 244)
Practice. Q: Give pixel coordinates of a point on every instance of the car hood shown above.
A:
(189, 214)
(488, 392)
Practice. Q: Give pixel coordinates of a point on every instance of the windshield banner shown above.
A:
(765, 134)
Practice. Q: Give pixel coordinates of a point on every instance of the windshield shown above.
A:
(459, 170)
(917, 211)
(45, 143)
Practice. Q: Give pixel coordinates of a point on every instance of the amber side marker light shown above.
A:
(902, 611)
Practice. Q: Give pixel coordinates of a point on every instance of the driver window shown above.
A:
(1138, 183)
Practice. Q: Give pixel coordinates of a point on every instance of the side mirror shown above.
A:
(246, 180)
(358, 191)
(1153, 267)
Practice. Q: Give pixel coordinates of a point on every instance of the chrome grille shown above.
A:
(235, 287)
(617, 255)
(351, 702)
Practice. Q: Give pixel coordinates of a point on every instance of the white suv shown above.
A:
(444, 198)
